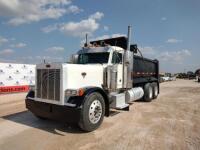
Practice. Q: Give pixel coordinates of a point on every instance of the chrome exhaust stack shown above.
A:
(128, 63)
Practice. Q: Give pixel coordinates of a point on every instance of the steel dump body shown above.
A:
(145, 70)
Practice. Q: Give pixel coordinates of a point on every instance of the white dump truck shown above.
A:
(104, 74)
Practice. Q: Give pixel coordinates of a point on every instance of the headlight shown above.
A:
(78, 92)
(73, 92)
(70, 92)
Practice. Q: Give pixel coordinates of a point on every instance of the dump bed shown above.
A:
(145, 70)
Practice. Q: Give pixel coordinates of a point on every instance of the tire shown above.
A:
(198, 79)
(155, 90)
(92, 113)
(148, 92)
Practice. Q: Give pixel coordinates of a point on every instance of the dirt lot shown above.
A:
(170, 122)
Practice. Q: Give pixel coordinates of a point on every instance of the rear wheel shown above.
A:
(155, 90)
(92, 113)
(148, 92)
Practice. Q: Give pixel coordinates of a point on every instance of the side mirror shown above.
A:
(133, 48)
(74, 59)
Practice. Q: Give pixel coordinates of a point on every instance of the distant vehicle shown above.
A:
(102, 75)
(166, 78)
(173, 78)
(198, 78)
(197, 73)
(161, 79)
(191, 75)
(182, 76)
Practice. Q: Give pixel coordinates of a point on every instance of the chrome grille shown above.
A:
(48, 84)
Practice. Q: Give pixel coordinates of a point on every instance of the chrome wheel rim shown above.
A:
(95, 111)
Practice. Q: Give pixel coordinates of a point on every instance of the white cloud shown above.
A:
(96, 16)
(18, 45)
(163, 18)
(22, 11)
(176, 56)
(173, 40)
(74, 9)
(77, 29)
(6, 52)
(55, 49)
(3, 40)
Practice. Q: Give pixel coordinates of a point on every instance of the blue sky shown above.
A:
(168, 30)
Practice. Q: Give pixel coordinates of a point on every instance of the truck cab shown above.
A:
(100, 76)
(103, 57)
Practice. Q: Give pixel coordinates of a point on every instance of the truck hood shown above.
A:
(76, 76)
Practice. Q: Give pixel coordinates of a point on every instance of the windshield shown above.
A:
(93, 58)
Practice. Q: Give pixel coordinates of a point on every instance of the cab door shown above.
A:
(117, 60)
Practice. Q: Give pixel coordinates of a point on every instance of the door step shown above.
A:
(124, 107)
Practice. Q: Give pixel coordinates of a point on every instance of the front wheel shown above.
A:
(92, 113)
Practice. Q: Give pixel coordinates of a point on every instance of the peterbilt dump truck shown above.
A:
(104, 74)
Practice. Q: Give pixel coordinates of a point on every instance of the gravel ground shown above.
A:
(170, 122)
